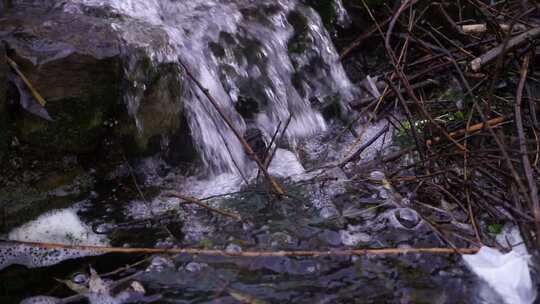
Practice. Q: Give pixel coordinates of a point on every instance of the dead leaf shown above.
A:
(97, 285)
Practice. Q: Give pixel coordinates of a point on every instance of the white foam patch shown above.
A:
(33, 257)
(285, 164)
(215, 185)
(508, 274)
(58, 226)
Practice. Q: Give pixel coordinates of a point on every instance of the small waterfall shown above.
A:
(263, 61)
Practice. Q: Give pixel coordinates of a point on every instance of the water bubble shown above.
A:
(195, 267)
(233, 248)
(80, 278)
(407, 217)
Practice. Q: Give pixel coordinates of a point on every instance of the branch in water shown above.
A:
(227, 121)
(252, 254)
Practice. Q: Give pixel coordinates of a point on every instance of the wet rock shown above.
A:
(255, 139)
(154, 118)
(330, 237)
(408, 218)
(76, 68)
(96, 80)
(247, 107)
(104, 92)
(377, 175)
(328, 212)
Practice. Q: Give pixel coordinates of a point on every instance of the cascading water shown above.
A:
(261, 60)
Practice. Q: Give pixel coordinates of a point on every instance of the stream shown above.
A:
(273, 69)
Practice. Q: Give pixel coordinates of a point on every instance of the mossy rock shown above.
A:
(160, 110)
(97, 84)
(76, 68)
(79, 101)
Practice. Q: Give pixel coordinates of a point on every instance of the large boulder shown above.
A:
(96, 83)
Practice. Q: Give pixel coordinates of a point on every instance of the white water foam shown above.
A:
(58, 226)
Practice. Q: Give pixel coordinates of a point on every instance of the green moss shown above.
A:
(298, 42)
(495, 228)
(206, 243)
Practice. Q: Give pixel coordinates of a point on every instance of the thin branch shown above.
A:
(34, 92)
(253, 254)
(229, 123)
(199, 203)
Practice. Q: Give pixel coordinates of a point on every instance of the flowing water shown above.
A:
(264, 61)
